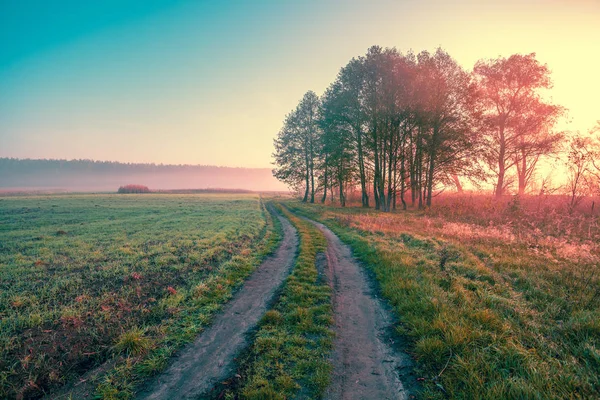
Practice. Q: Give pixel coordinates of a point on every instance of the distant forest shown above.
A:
(89, 175)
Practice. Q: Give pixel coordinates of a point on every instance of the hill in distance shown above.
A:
(89, 175)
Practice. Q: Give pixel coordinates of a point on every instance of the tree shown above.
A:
(396, 123)
(444, 105)
(378, 100)
(297, 145)
(579, 163)
(535, 139)
(516, 122)
(289, 157)
(596, 158)
(350, 115)
(337, 140)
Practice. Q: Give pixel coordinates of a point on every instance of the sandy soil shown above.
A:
(366, 360)
(211, 357)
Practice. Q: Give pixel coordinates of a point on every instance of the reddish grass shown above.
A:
(529, 215)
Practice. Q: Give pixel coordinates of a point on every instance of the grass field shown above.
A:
(119, 283)
(488, 313)
(128, 278)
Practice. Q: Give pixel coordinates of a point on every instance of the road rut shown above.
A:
(366, 365)
(211, 357)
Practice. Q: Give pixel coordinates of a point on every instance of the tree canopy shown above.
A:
(401, 127)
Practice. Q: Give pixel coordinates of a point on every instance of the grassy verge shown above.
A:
(116, 281)
(289, 355)
(198, 305)
(486, 318)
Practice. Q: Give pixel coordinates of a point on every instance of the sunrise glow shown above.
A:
(183, 82)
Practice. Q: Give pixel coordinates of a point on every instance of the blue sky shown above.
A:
(210, 82)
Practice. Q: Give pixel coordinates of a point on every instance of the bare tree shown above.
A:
(579, 163)
(596, 156)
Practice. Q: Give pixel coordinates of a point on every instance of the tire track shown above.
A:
(211, 357)
(365, 363)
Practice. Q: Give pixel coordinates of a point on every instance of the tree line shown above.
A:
(19, 165)
(399, 127)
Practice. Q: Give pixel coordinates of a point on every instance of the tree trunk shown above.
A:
(361, 168)
(325, 182)
(376, 171)
(391, 170)
(342, 196)
(331, 193)
(305, 199)
(420, 177)
(459, 187)
(432, 159)
(430, 178)
(395, 189)
(376, 194)
(383, 171)
(522, 172)
(402, 182)
(501, 165)
(312, 178)
(500, 183)
(419, 171)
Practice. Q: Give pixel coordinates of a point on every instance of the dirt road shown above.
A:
(365, 363)
(211, 357)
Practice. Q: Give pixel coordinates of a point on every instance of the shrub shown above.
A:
(133, 189)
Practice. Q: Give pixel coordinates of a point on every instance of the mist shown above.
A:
(87, 175)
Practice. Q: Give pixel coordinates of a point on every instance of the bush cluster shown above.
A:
(133, 189)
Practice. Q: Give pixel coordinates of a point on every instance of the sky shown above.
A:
(210, 82)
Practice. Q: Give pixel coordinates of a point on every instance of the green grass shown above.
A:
(289, 355)
(485, 317)
(89, 278)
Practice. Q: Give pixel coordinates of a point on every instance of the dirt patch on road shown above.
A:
(211, 357)
(366, 360)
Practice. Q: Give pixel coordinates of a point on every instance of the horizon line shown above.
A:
(128, 163)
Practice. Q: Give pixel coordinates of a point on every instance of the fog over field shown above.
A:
(85, 175)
